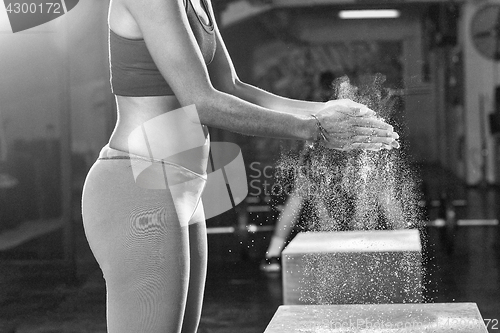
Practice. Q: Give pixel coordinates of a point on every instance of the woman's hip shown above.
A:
(122, 194)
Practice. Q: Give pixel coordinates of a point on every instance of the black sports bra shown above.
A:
(133, 71)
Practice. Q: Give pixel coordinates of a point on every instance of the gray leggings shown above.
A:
(154, 267)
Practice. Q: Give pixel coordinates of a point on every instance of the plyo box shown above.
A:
(353, 267)
(400, 318)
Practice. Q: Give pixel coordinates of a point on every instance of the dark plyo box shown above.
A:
(400, 318)
(353, 267)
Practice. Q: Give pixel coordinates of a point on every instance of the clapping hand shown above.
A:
(346, 125)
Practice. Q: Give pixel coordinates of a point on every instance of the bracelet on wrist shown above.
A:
(322, 133)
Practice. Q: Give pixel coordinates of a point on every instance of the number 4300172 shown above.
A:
(34, 8)
(491, 324)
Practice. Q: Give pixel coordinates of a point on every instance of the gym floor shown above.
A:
(462, 266)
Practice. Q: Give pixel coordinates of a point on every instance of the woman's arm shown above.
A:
(173, 47)
(224, 78)
(348, 124)
(264, 98)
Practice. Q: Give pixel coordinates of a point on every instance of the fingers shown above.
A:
(351, 108)
(357, 111)
(364, 134)
(357, 145)
(376, 139)
(375, 132)
(372, 122)
(366, 112)
(362, 111)
(387, 142)
(385, 136)
(366, 146)
(364, 143)
(351, 125)
(344, 141)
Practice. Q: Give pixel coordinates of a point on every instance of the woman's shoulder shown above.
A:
(121, 19)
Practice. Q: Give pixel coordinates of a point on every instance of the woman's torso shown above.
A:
(134, 111)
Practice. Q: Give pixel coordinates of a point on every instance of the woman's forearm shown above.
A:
(222, 110)
(269, 100)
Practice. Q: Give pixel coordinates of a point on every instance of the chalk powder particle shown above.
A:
(356, 190)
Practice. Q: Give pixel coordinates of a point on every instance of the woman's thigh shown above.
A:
(141, 248)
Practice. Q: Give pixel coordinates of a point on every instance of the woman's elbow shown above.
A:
(205, 101)
(199, 96)
(227, 86)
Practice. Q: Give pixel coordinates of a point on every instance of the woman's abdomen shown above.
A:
(160, 129)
